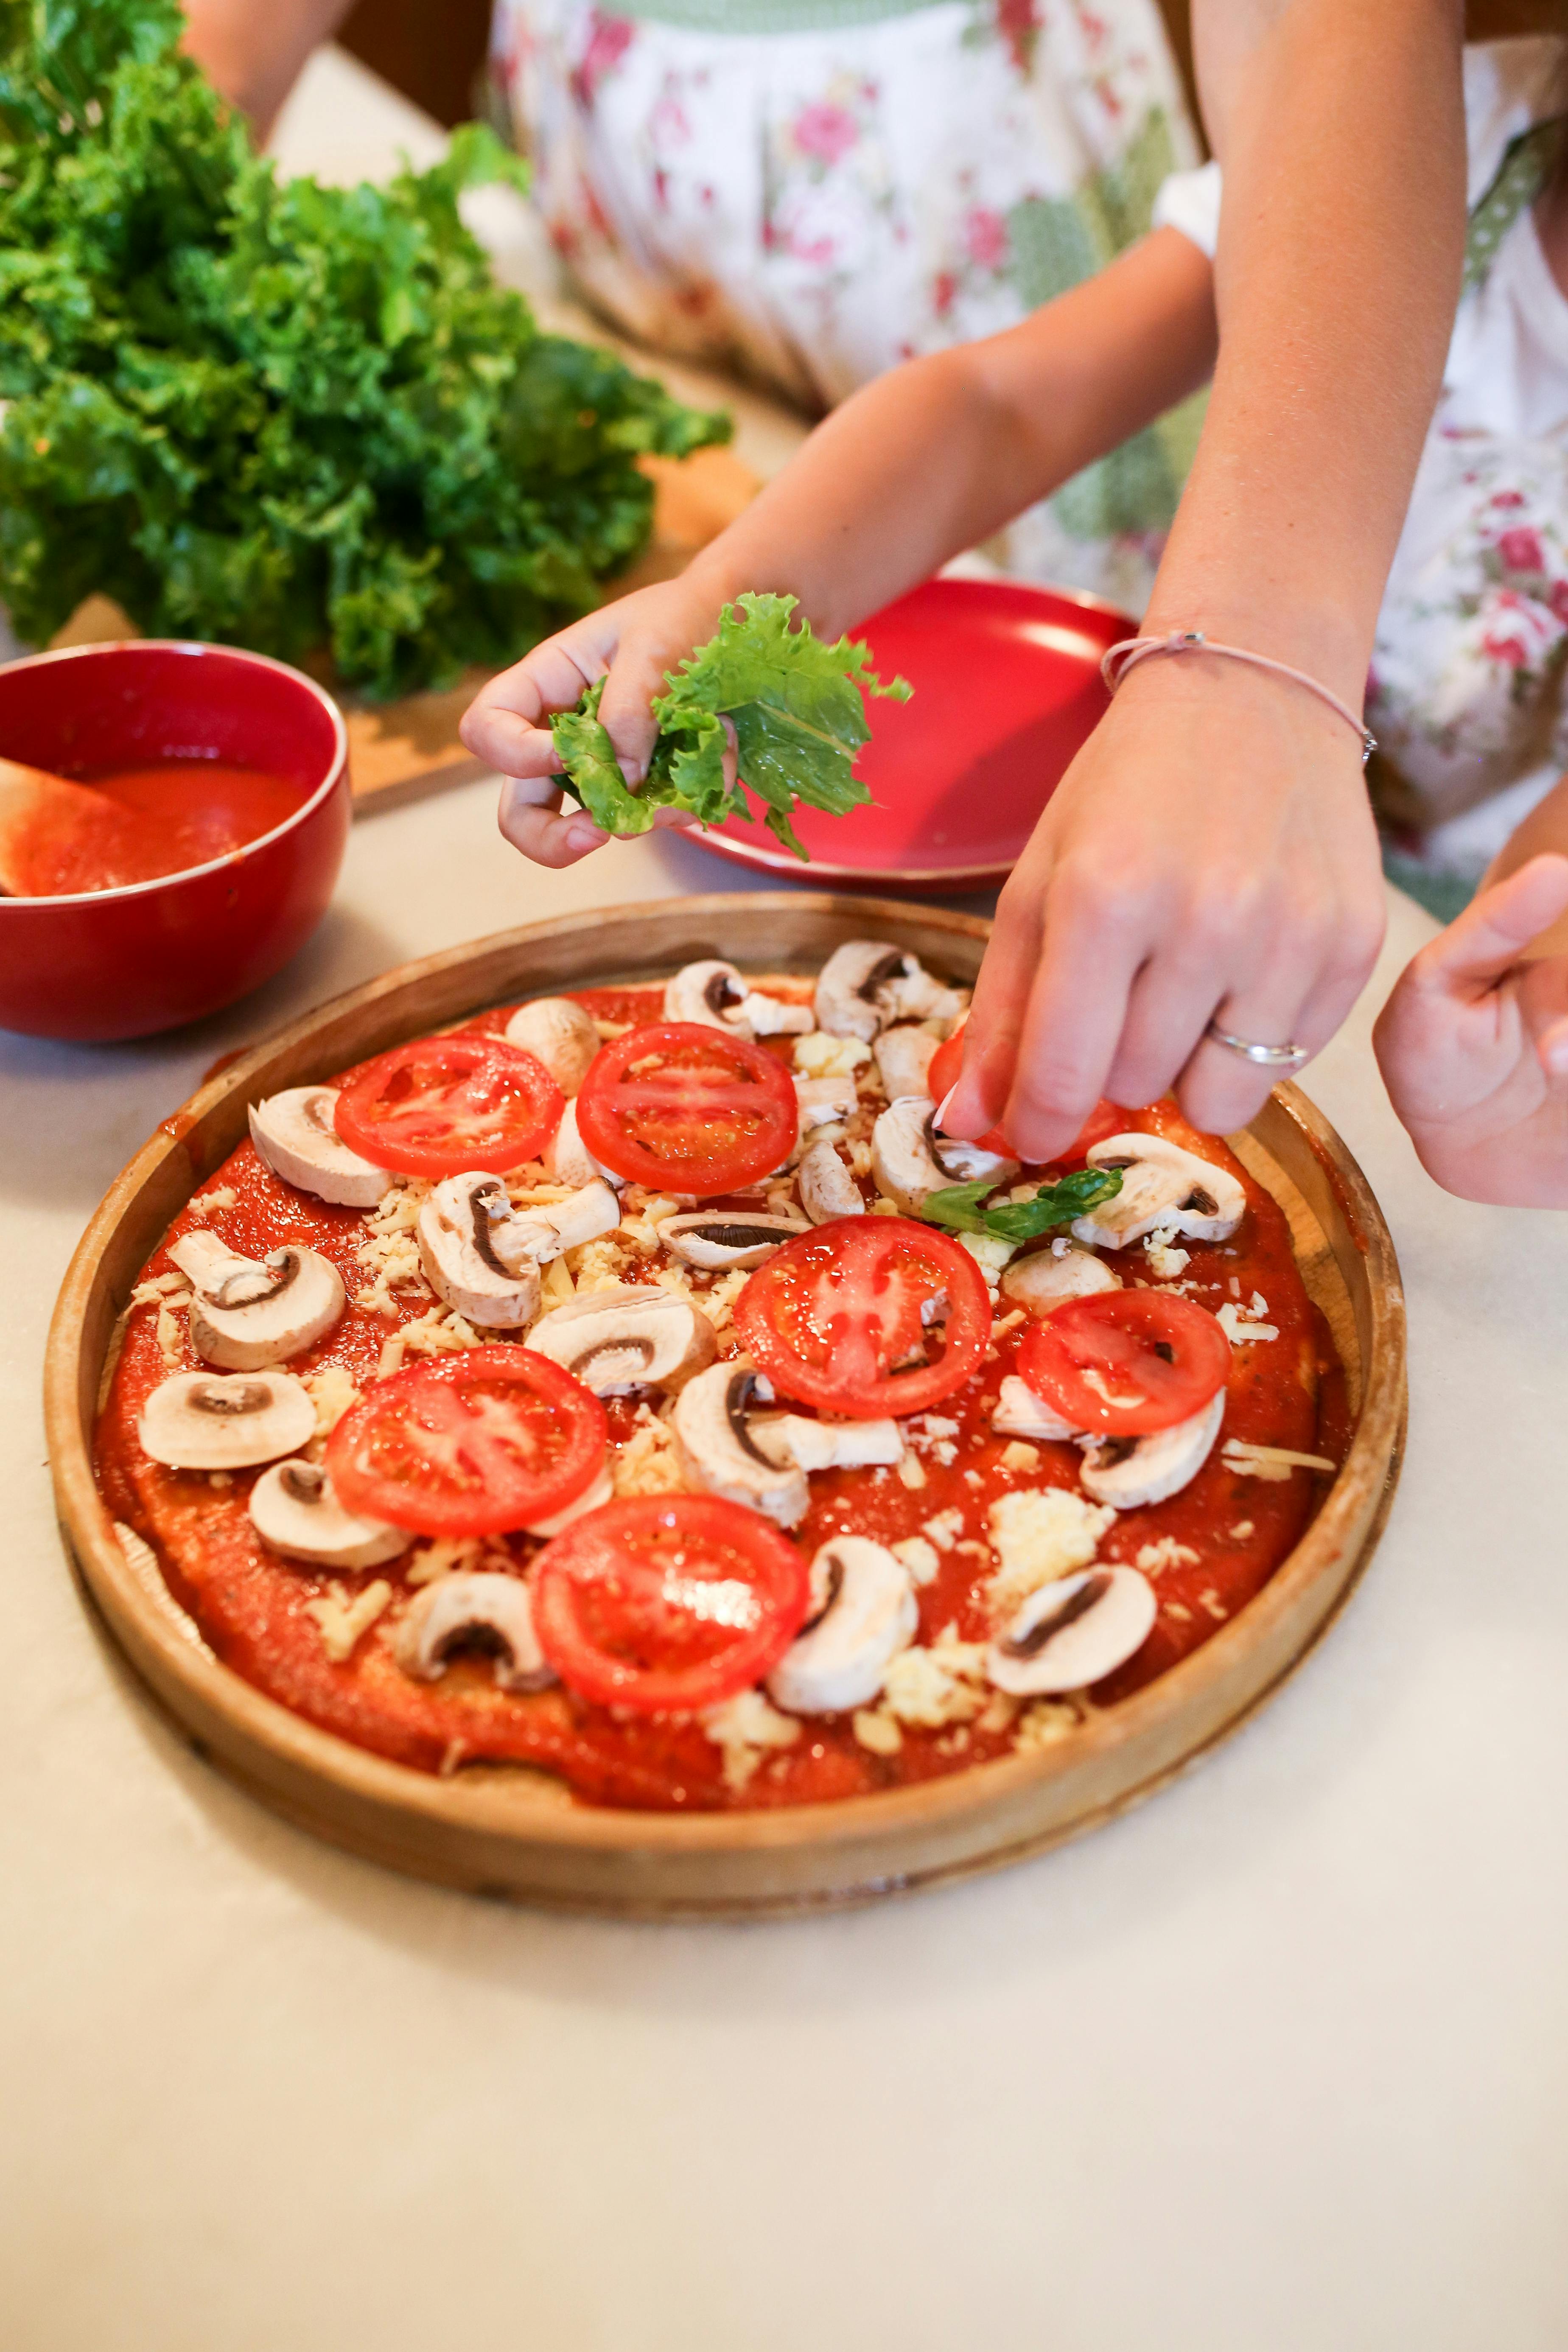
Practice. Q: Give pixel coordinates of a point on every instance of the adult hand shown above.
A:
(1209, 854)
(1473, 1047)
(637, 639)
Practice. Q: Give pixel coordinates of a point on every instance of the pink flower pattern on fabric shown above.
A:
(824, 132)
(819, 206)
(1472, 641)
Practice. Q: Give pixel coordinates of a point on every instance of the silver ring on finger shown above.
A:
(1268, 1057)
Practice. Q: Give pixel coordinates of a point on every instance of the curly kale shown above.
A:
(300, 417)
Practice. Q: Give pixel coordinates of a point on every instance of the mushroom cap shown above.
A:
(1162, 1184)
(850, 984)
(1019, 1412)
(904, 1051)
(216, 1420)
(825, 1187)
(624, 1336)
(719, 1455)
(1048, 1277)
(727, 1237)
(460, 1232)
(901, 1157)
(294, 1134)
(1127, 1472)
(710, 992)
(485, 1610)
(1071, 1633)
(559, 1032)
(246, 1313)
(864, 1612)
(568, 1160)
(295, 1510)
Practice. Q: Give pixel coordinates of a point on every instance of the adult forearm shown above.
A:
(936, 456)
(1341, 137)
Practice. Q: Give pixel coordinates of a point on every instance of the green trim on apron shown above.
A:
(742, 18)
(1528, 164)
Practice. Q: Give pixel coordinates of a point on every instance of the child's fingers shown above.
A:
(636, 674)
(541, 831)
(513, 745)
(1486, 940)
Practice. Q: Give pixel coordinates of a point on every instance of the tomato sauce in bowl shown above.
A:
(162, 818)
(221, 779)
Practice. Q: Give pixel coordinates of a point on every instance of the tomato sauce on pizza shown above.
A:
(638, 1386)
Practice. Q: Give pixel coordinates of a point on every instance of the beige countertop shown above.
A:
(1277, 2064)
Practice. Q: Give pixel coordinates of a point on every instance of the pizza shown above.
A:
(638, 1385)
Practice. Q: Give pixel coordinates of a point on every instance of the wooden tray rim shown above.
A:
(486, 1806)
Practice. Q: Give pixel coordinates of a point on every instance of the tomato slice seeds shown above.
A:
(689, 1108)
(867, 1316)
(668, 1603)
(1126, 1362)
(444, 1105)
(469, 1445)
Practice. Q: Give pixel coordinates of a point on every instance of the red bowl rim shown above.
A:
(230, 857)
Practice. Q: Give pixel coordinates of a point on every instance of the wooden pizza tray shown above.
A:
(514, 1831)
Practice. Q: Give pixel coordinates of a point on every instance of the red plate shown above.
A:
(1006, 690)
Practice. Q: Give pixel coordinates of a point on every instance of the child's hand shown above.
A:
(1473, 1046)
(638, 639)
(1210, 852)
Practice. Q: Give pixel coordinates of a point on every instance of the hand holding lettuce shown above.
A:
(796, 707)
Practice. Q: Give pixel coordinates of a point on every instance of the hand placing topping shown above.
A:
(246, 1313)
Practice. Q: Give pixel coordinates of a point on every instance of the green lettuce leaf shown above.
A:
(957, 1206)
(797, 709)
(303, 418)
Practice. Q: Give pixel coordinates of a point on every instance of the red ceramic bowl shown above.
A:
(122, 963)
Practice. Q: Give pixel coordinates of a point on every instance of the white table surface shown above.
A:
(1274, 2065)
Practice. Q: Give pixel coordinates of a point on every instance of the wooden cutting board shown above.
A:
(398, 749)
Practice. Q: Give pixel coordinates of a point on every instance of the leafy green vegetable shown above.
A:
(957, 1206)
(302, 417)
(796, 707)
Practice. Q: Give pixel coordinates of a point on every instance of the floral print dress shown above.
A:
(812, 190)
(1465, 695)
